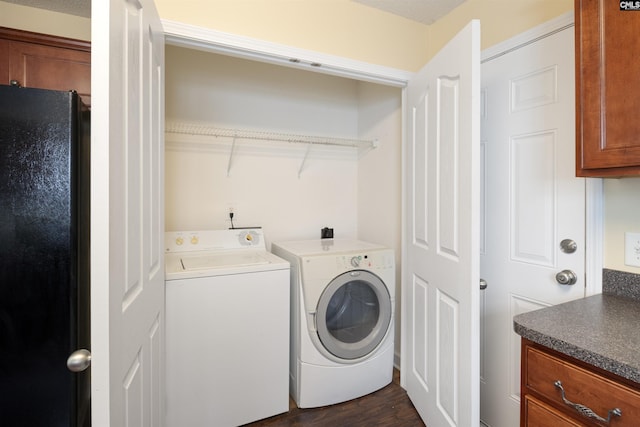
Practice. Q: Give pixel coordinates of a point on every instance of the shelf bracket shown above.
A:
(304, 160)
(233, 147)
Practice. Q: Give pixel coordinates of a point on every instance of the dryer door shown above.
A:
(353, 314)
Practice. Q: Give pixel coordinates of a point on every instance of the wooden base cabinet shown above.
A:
(607, 94)
(561, 391)
(539, 414)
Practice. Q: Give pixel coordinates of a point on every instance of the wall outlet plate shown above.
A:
(632, 249)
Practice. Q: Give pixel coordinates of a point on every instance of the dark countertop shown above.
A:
(602, 330)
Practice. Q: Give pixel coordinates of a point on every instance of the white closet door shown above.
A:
(440, 290)
(127, 214)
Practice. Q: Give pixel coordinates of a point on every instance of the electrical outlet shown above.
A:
(231, 214)
(231, 207)
(632, 249)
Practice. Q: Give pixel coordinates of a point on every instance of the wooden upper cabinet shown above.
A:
(607, 89)
(4, 61)
(46, 62)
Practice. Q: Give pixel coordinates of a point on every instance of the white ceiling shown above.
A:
(424, 11)
(71, 7)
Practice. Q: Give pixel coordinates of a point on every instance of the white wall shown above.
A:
(264, 190)
(263, 185)
(380, 178)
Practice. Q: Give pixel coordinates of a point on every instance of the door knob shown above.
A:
(483, 284)
(566, 277)
(79, 360)
(568, 246)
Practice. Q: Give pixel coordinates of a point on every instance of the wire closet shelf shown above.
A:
(207, 130)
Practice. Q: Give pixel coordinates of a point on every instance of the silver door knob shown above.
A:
(566, 277)
(568, 246)
(483, 284)
(79, 360)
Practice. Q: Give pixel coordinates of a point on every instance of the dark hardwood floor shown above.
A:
(388, 407)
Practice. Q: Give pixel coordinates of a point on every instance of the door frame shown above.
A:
(205, 39)
(594, 198)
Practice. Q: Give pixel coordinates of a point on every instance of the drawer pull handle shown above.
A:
(585, 411)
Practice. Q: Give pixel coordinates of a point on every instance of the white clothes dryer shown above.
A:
(342, 311)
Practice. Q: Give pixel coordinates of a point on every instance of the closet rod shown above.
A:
(207, 130)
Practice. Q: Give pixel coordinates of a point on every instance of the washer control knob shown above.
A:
(179, 241)
(355, 261)
(194, 240)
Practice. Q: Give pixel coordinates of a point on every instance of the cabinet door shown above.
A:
(607, 93)
(51, 67)
(596, 392)
(539, 414)
(4, 61)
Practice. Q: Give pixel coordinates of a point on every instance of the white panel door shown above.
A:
(440, 289)
(532, 201)
(127, 214)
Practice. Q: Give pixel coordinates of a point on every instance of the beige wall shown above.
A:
(499, 19)
(338, 27)
(44, 21)
(622, 214)
(348, 29)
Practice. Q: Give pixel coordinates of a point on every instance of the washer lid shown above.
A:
(206, 253)
(201, 262)
(210, 264)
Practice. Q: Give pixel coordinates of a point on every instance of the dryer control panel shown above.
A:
(368, 260)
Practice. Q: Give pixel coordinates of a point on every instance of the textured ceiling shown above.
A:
(424, 11)
(71, 7)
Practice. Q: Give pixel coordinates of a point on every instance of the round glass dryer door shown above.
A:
(353, 314)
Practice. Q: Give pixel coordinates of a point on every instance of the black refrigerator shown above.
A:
(44, 257)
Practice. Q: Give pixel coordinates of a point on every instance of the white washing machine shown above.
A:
(342, 311)
(227, 328)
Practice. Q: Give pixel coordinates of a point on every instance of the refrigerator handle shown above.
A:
(79, 360)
